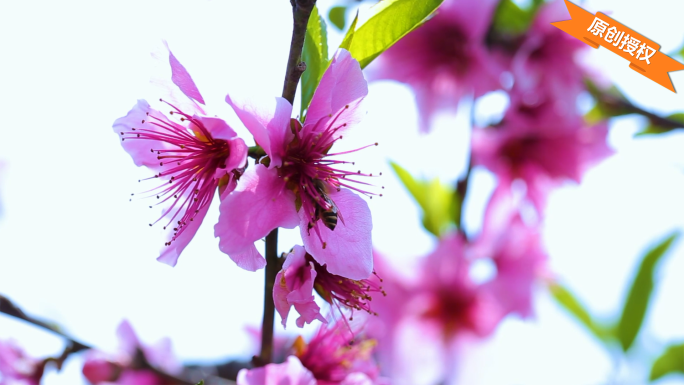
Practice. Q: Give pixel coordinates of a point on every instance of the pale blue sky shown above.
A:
(73, 249)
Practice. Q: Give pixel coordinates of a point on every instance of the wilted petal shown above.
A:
(347, 250)
(259, 204)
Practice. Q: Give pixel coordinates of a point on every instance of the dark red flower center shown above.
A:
(189, 162)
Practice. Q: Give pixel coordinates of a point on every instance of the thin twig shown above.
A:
(74, 346)
(619, 104)
(461, 192)
(266, 354)
(301, 10)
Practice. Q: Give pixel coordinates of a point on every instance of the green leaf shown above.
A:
(337, 16)
(510, 18)
(387, 22)
(200, 383)
(440, 212)
(349, 37)
(655, 129)
(315, 55)
(639, 296)
(570, 302)
(672, 361)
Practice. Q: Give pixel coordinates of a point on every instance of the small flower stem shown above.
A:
(301, 10)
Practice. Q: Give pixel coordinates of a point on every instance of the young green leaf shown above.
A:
(436, 200)
(671, 361)
(511, 19)
(636, 305)
(200, 383)
(337, 16)
(388, 21)
(349, 37)
(570, 302)
(315, 55)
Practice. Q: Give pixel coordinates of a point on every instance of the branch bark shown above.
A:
(301, 10)
(74, 346)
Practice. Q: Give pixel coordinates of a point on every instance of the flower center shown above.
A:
(452, 310)
(332, 354)
(337, 290)
(189, 158)
(311, 172)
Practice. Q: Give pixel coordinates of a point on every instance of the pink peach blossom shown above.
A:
(300, 180)
(544, 66)
(291, 372)
(432, 312)
(192, 156)
(301, 275)
(516, 248)
(17, 368)
(129, 365)
(444, 59)
(336, 355)
(539, 147)
(339, 354)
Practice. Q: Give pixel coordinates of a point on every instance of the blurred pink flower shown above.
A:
(337, 353)
(517, 251)
(544, 66)
(301, 274)
(191, 156)
(301, 184)
(332, 357)
(445, 59)
(539, 147)
(448, 299)
(291, 372)
(426, 315)
(16, 368)
(130, 365)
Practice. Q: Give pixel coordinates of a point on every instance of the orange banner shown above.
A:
(600, 30)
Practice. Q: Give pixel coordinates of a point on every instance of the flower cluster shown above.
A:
(376, 321)
(335, 355)
(444, 303)
(541, 142)
(17, 368)
(134, 364)
(542, 139)
(298, 183)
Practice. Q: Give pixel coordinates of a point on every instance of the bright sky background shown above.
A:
(74, 250)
